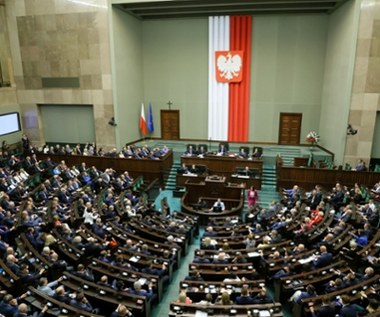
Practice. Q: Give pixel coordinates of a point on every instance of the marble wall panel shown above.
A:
(365, 101)
(355, 117)
(373, 77)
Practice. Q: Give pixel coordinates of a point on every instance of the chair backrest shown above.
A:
(245, 148)
(204, 146)
(193, 146)
(259, 150)
(226, 145)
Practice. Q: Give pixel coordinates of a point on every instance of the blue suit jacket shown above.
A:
(323, 260)
(349, 311)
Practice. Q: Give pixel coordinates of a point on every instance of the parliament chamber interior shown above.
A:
(189, 158)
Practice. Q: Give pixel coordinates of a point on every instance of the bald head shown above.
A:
(23, 308)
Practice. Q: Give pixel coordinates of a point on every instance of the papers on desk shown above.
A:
(264, 313)
(134, 259)
(243, 176)
(253, 254)
(199, 313)
(191, 174)
(307, 260)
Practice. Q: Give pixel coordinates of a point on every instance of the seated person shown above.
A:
(299, 294)
(256, 153)
(244, 298)
(201, 204)
(246, 171)
(222, 150)
(121, 311)
(360, 166)
(183, 298)
(262, 297)
(242, 153)
(193, 169)
(190, 151)
(325, 258)
(326, 309)
(183, 169)
(202, 150)
(218, 206)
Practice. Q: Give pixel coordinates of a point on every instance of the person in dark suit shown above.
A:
(61, 295)
(81, 302)
(27, 277)
(244, 298)
(200, 258)
(222, 150)
(200, 205)
(324, 259)
(315, 198)
(43, 194)
(8, 307)
(138, 290)
(23, 311)
(299, 295)
(193, 169)
(220, 259)
(256, 153)
(325, 310)
(12, 264)
(242, 154)
(348, 309)
(183, 169)
(246, 171)
(190, 151)
(202, 150)
(262, 297)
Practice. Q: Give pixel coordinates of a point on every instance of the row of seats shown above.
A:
(203, 149)
(142, 262)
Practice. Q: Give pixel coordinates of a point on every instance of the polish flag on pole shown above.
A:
(143, 127)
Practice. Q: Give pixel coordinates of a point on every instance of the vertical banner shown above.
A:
(239, 93)
(143, 127)
(229, 77)
(219, 40)
(150, 119)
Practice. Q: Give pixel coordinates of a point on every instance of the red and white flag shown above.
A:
(230, 41)
(143, 127)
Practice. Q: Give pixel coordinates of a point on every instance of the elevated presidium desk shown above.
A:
(225, 178)
(229, 166)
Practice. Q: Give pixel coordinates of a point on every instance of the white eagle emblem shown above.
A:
(229, 66)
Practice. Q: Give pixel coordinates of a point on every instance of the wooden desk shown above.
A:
(226, 165)
(183, 178)
(231, 194)
(150, 169)
(212, 190)
(307, 177)
(189, 310)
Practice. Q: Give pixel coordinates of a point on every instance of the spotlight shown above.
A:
(351, 130)
(112, 122)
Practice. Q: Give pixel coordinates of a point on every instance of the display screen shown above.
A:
(9, 123)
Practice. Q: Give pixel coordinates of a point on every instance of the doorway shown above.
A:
(290, 128)
(170, 124)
